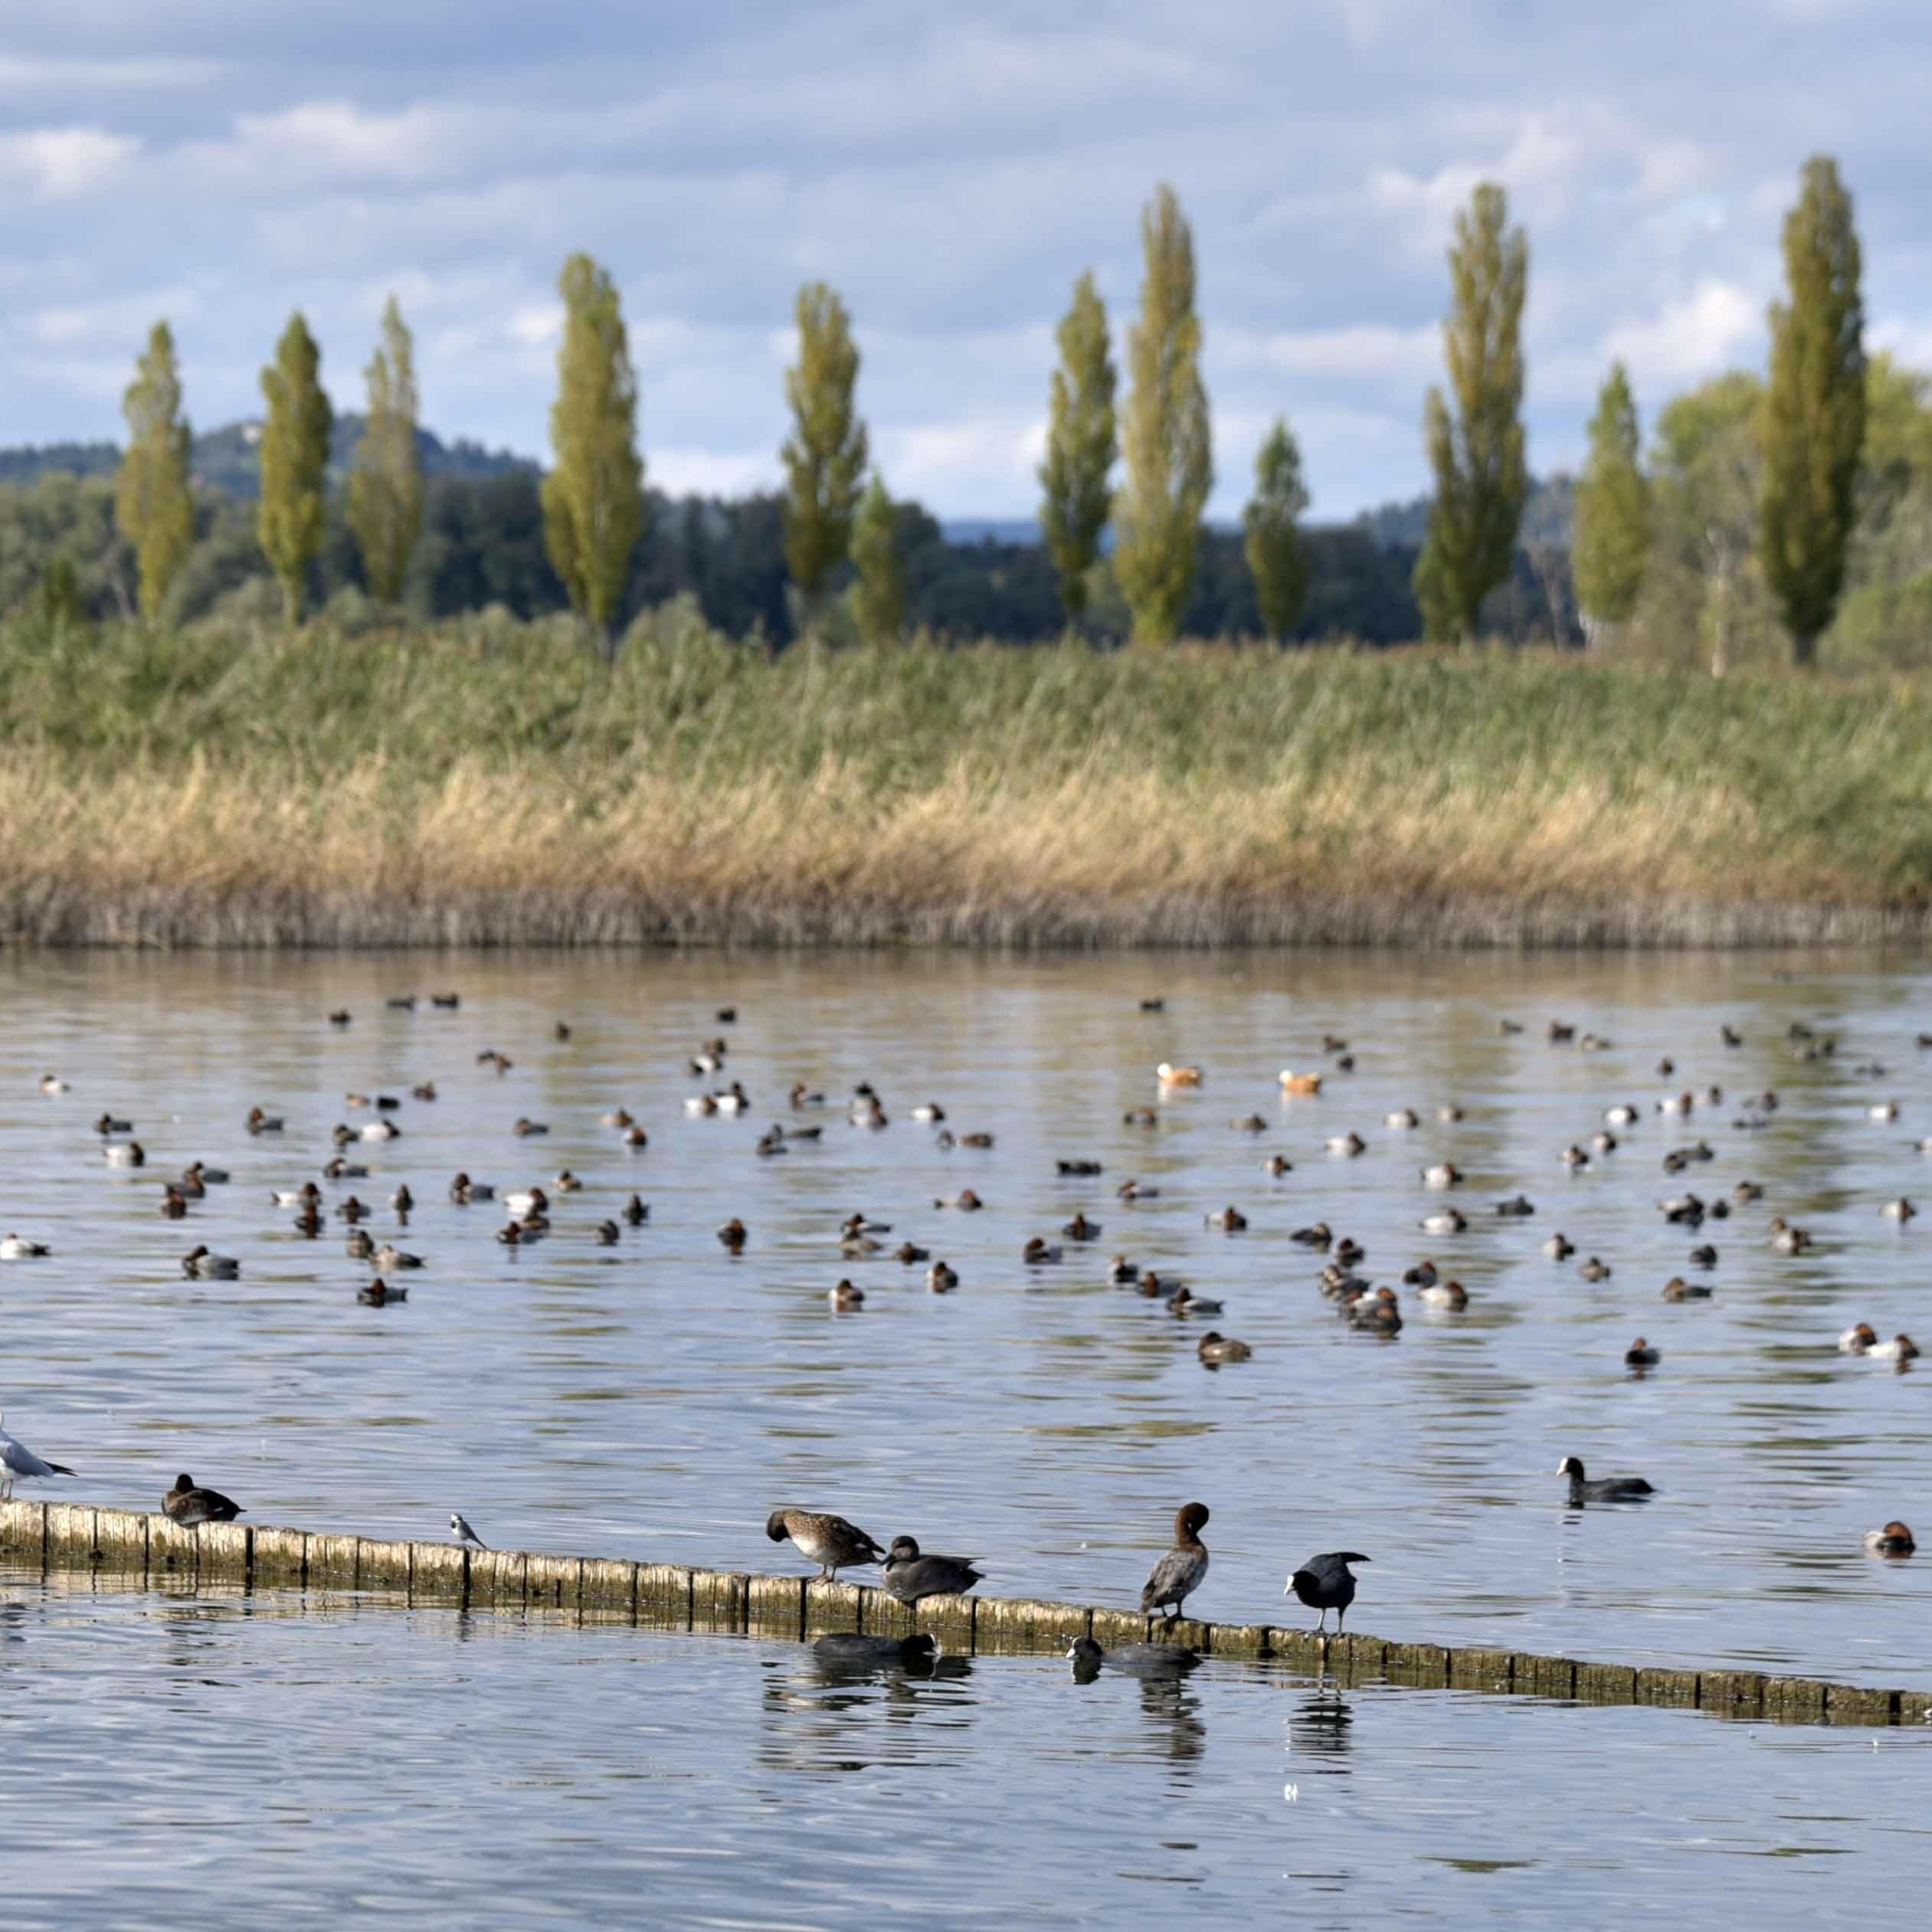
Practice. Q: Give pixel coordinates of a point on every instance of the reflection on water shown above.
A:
(330, 1759)
(657, 1398)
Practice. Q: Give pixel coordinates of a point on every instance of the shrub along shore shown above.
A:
(487, 782)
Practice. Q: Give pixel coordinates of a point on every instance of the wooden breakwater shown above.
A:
(127, 1549)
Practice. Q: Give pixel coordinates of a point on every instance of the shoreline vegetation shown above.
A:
(484, 781)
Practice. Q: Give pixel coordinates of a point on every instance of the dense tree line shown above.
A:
(1766, 505)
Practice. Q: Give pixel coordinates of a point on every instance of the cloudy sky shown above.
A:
(949, 168)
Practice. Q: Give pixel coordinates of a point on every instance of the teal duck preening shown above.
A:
(828, 1541)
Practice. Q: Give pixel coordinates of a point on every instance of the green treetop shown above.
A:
(594, 496)
(152, 502)
(825, 455)
(1813, 424)
(1475, 434)
(1278, 559)
(1612, 530)
(1080, 445)
(385, 488)
(1165, 437)
(294, 461)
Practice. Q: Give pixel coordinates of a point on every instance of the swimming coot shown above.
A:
(1605, 1489)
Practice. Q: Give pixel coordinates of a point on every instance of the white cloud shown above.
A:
(1689, 338)
(536, 324)
(58, 162)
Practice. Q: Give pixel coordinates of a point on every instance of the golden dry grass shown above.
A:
(490, 783)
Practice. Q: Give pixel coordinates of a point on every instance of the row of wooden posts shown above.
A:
(126, 1548)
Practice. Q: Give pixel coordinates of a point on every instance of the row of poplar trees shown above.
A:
(1810, 431)
(154, 500)
(837, 511)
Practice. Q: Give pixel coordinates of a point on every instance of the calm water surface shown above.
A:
(657, 1400)
(176, 1760)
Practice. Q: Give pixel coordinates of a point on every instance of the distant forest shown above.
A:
(483, 544)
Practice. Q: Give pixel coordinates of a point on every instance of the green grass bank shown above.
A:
(489, 782)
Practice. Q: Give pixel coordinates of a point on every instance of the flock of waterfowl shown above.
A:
(1325, 1582)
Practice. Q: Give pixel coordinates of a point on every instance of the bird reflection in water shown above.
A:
(1318, 1727)
(815, 1715)
(1173, 1720)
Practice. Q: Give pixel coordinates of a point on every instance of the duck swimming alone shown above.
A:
(1640, 1354)
(1894, 1540)
(1215, 1348)
(1178, 1076)
(828, 1541)
(12, 1248)
(853, 1650)
(1184, 1569)
(1605, 1489)
(1155, 1660)
(199, 1265)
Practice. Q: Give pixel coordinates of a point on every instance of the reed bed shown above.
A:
(485, 782)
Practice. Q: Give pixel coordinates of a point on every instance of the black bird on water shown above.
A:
(1324, 1583)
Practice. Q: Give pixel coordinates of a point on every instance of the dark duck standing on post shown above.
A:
(1184, 1569)
(191, 1506)
(909, 1575)
(1324, 1584)
(829, 1541)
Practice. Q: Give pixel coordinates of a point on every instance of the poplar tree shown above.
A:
(294, 461)
(385, 488)
(1475, 447)
(825, 455)
(152, 502)
(594, 497)
(1169, 460)
(1612, 545)
(1080, 445)
(1278, 560)
(878, 595)
(1813, 424)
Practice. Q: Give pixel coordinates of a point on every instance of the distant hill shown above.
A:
(1546, 516)
(228, 459)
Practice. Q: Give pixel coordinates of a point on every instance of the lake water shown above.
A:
(657, 1400)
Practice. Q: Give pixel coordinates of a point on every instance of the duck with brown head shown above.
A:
(1184, 1569)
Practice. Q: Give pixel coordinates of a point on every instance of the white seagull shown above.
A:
(19, 1464)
